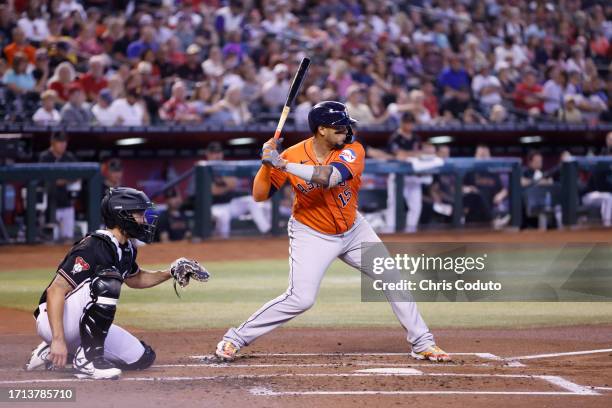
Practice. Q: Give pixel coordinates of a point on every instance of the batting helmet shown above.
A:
(118, 206)
(331, 113)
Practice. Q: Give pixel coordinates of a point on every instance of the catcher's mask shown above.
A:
(118, 208)
(331, 114)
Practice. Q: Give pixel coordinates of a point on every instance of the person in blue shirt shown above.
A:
(454, 84)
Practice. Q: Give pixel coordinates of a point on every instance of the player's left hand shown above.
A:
(183, 269)
(270, 155)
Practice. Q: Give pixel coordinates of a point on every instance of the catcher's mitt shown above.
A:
(184, 269)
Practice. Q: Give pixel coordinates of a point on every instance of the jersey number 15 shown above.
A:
(345, 197)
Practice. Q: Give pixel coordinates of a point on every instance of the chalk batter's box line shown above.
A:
(569, 387)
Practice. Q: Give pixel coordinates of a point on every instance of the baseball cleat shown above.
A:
(226, 350)
(38, 359)
(432, 353)
(96, 369)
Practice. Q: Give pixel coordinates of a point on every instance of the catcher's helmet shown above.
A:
(331, 113)
(120, 203)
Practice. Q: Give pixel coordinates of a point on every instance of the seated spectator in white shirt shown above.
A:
(47, 114)
(102, 110)
(129, 111)
(486, 87)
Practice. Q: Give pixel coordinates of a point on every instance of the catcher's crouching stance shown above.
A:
(76, 311)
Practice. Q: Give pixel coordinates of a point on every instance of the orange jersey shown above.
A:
(327, 210)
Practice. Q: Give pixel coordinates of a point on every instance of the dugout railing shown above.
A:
(33, 174)
(205, 171)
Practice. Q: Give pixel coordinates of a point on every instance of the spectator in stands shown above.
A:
(569, 112)
(357, 108)
(213, 65)
(528, 94)
(230, 17)
(176, 109)
(47, 115)
(510, 53)
(498, 114)
(130, 110)
(17, 79)
(454, 83)
(33, 25)
(102, 111)
(93, 81)
(274, 91)
(113, 175)
(231, 110)
(486, 88)
(191, 70)
(19, 45)
(75, 112)
(483, 192)
(312, 97)
(59, 191)
(173, 224)
(552, 92)
(87, 42)
(204, 98)
(63, 76)
(40, 72)
(146, 42)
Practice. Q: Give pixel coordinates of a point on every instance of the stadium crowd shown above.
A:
(230, 62)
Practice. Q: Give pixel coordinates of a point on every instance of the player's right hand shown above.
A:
(58, 353)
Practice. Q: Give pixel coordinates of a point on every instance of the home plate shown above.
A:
(391, 370)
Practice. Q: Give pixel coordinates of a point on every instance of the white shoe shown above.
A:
(98, 369)
(38, 359)
(226, 350)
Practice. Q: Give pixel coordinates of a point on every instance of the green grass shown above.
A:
(237, 289)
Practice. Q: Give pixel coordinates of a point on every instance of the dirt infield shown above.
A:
(561, 366)
(357, 367)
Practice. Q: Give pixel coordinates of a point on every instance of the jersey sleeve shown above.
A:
(80, 263)
(134, 267)
(351, 161)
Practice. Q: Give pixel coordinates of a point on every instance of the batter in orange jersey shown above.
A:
(325, 173)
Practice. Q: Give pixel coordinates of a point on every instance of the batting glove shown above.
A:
(270, 155)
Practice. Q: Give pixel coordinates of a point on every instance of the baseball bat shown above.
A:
(293, 91)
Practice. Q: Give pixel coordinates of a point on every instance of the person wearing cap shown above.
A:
(191, 70)
(173, 224)
(75, 112)
(102, 111)
(47, 114)
(113, 175)
(59, 191)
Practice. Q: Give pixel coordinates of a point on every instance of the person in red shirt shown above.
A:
(176, 109)
(63, 76)
(19, 44)
(93, 81)
(527, 93)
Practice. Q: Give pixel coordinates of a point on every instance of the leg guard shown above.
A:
(99, 313)
(145, 361)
